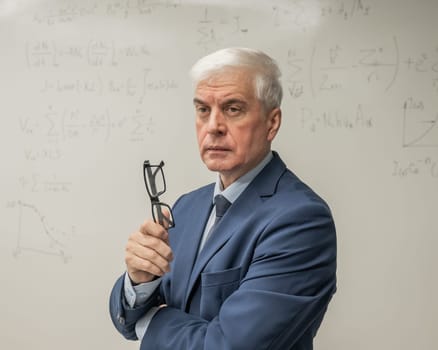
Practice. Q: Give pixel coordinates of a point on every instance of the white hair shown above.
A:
(266, 72)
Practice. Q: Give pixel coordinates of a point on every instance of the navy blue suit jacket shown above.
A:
(262, 281)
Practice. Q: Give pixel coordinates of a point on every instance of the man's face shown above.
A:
(234, 131)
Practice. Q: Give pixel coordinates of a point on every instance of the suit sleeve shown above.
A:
(125, 317)
(284, 293)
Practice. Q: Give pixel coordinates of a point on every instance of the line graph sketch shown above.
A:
(36, 235)
(420, 125)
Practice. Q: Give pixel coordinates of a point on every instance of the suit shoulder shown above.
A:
(201, 192)
(296, 193)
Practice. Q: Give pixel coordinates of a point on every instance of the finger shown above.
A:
(152, 228)
(135, 263)
(156, 251)
(146, 259)
(157, 244)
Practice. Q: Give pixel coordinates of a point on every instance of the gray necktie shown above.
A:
(221, 204)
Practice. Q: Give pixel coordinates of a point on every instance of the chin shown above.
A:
(215, 164)
(212, 165)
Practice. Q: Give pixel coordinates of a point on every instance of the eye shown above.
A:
(233, 110)
(202, 110)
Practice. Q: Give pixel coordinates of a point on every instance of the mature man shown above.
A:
(262, 276)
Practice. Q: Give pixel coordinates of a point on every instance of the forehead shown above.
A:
(227, 82)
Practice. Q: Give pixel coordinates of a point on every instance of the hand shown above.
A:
(148, 253)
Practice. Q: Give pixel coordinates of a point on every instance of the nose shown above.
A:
(216, 122)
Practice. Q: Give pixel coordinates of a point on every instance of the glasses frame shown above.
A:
(150, 173)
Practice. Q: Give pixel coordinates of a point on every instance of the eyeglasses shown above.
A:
(156, 186)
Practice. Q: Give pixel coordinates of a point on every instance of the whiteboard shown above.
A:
(90, 89)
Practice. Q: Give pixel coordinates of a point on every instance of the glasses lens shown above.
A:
(154, 180)
(162, 214)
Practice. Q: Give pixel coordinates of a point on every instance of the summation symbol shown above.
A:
(36, 235)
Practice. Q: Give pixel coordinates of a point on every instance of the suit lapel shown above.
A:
(263, 185)
(223, 231)
(189, 241)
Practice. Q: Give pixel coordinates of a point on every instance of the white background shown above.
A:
(90, 89)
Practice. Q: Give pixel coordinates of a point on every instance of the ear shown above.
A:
(273, 123)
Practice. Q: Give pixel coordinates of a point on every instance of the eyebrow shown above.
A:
(225, 102)
(233, 101)
(198, 101)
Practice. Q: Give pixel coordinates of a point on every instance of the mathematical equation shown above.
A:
(304, 14)
(298, 13)
(46, 53)
(136, 86)
(335, 119)
(75, 124)
(213, 30)
(336, 67)
(425, 64)
(38, 183)
(426, 166)
(67, 12)
(344, 9)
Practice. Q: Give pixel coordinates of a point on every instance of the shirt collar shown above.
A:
(237, 187)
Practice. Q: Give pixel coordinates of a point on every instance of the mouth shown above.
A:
(216, 149)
